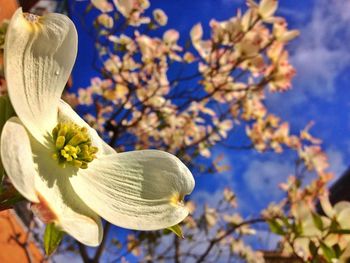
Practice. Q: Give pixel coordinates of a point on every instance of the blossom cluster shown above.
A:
(145, 97)
(244, 59)
(137, 102)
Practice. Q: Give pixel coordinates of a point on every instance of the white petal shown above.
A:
(267, 8)
(342, 210)
(16, 156)
(50, 188)
(39, 56)
(327, 206)
(138, 190)
(66, 113)
(53, 186)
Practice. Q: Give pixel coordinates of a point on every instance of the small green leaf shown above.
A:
(328, 252)
(177, 230)
(52, 238)
(285, 221)
(297, 228)
(334, 226)
(313, 248)
(338, 251)
(6, 112)
(317, 221)
(276, 227)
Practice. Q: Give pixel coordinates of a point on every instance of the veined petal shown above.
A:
(39, 55)
(16, 156)
(66, 113)
(53, 185)
(140, 190)
(39, 179)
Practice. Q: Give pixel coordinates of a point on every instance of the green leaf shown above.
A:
(334, 226)
(285, 221)
(328, 252)
(338, 251)
(313, 248)
(276, 227)
(52, 238)
(177, 230)
(6, 112)
(317, 221)
(297, 228)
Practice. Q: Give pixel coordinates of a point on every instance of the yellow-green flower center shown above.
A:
(72, 145)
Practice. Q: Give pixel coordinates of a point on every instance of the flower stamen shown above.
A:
(72, 145)
(31, 17)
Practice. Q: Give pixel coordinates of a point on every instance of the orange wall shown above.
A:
(7, 7)
(14, 243)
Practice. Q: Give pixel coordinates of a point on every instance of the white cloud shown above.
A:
(323, 50)
(202, 197)
(263, 239)
(321, 56)
(262, 179)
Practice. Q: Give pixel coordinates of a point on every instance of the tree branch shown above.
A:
(228, 232)
(103, 243)
(83, 253)
(177, 250)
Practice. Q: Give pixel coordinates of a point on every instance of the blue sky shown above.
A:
(320, 91)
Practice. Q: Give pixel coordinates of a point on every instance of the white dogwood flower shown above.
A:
(60, 164)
